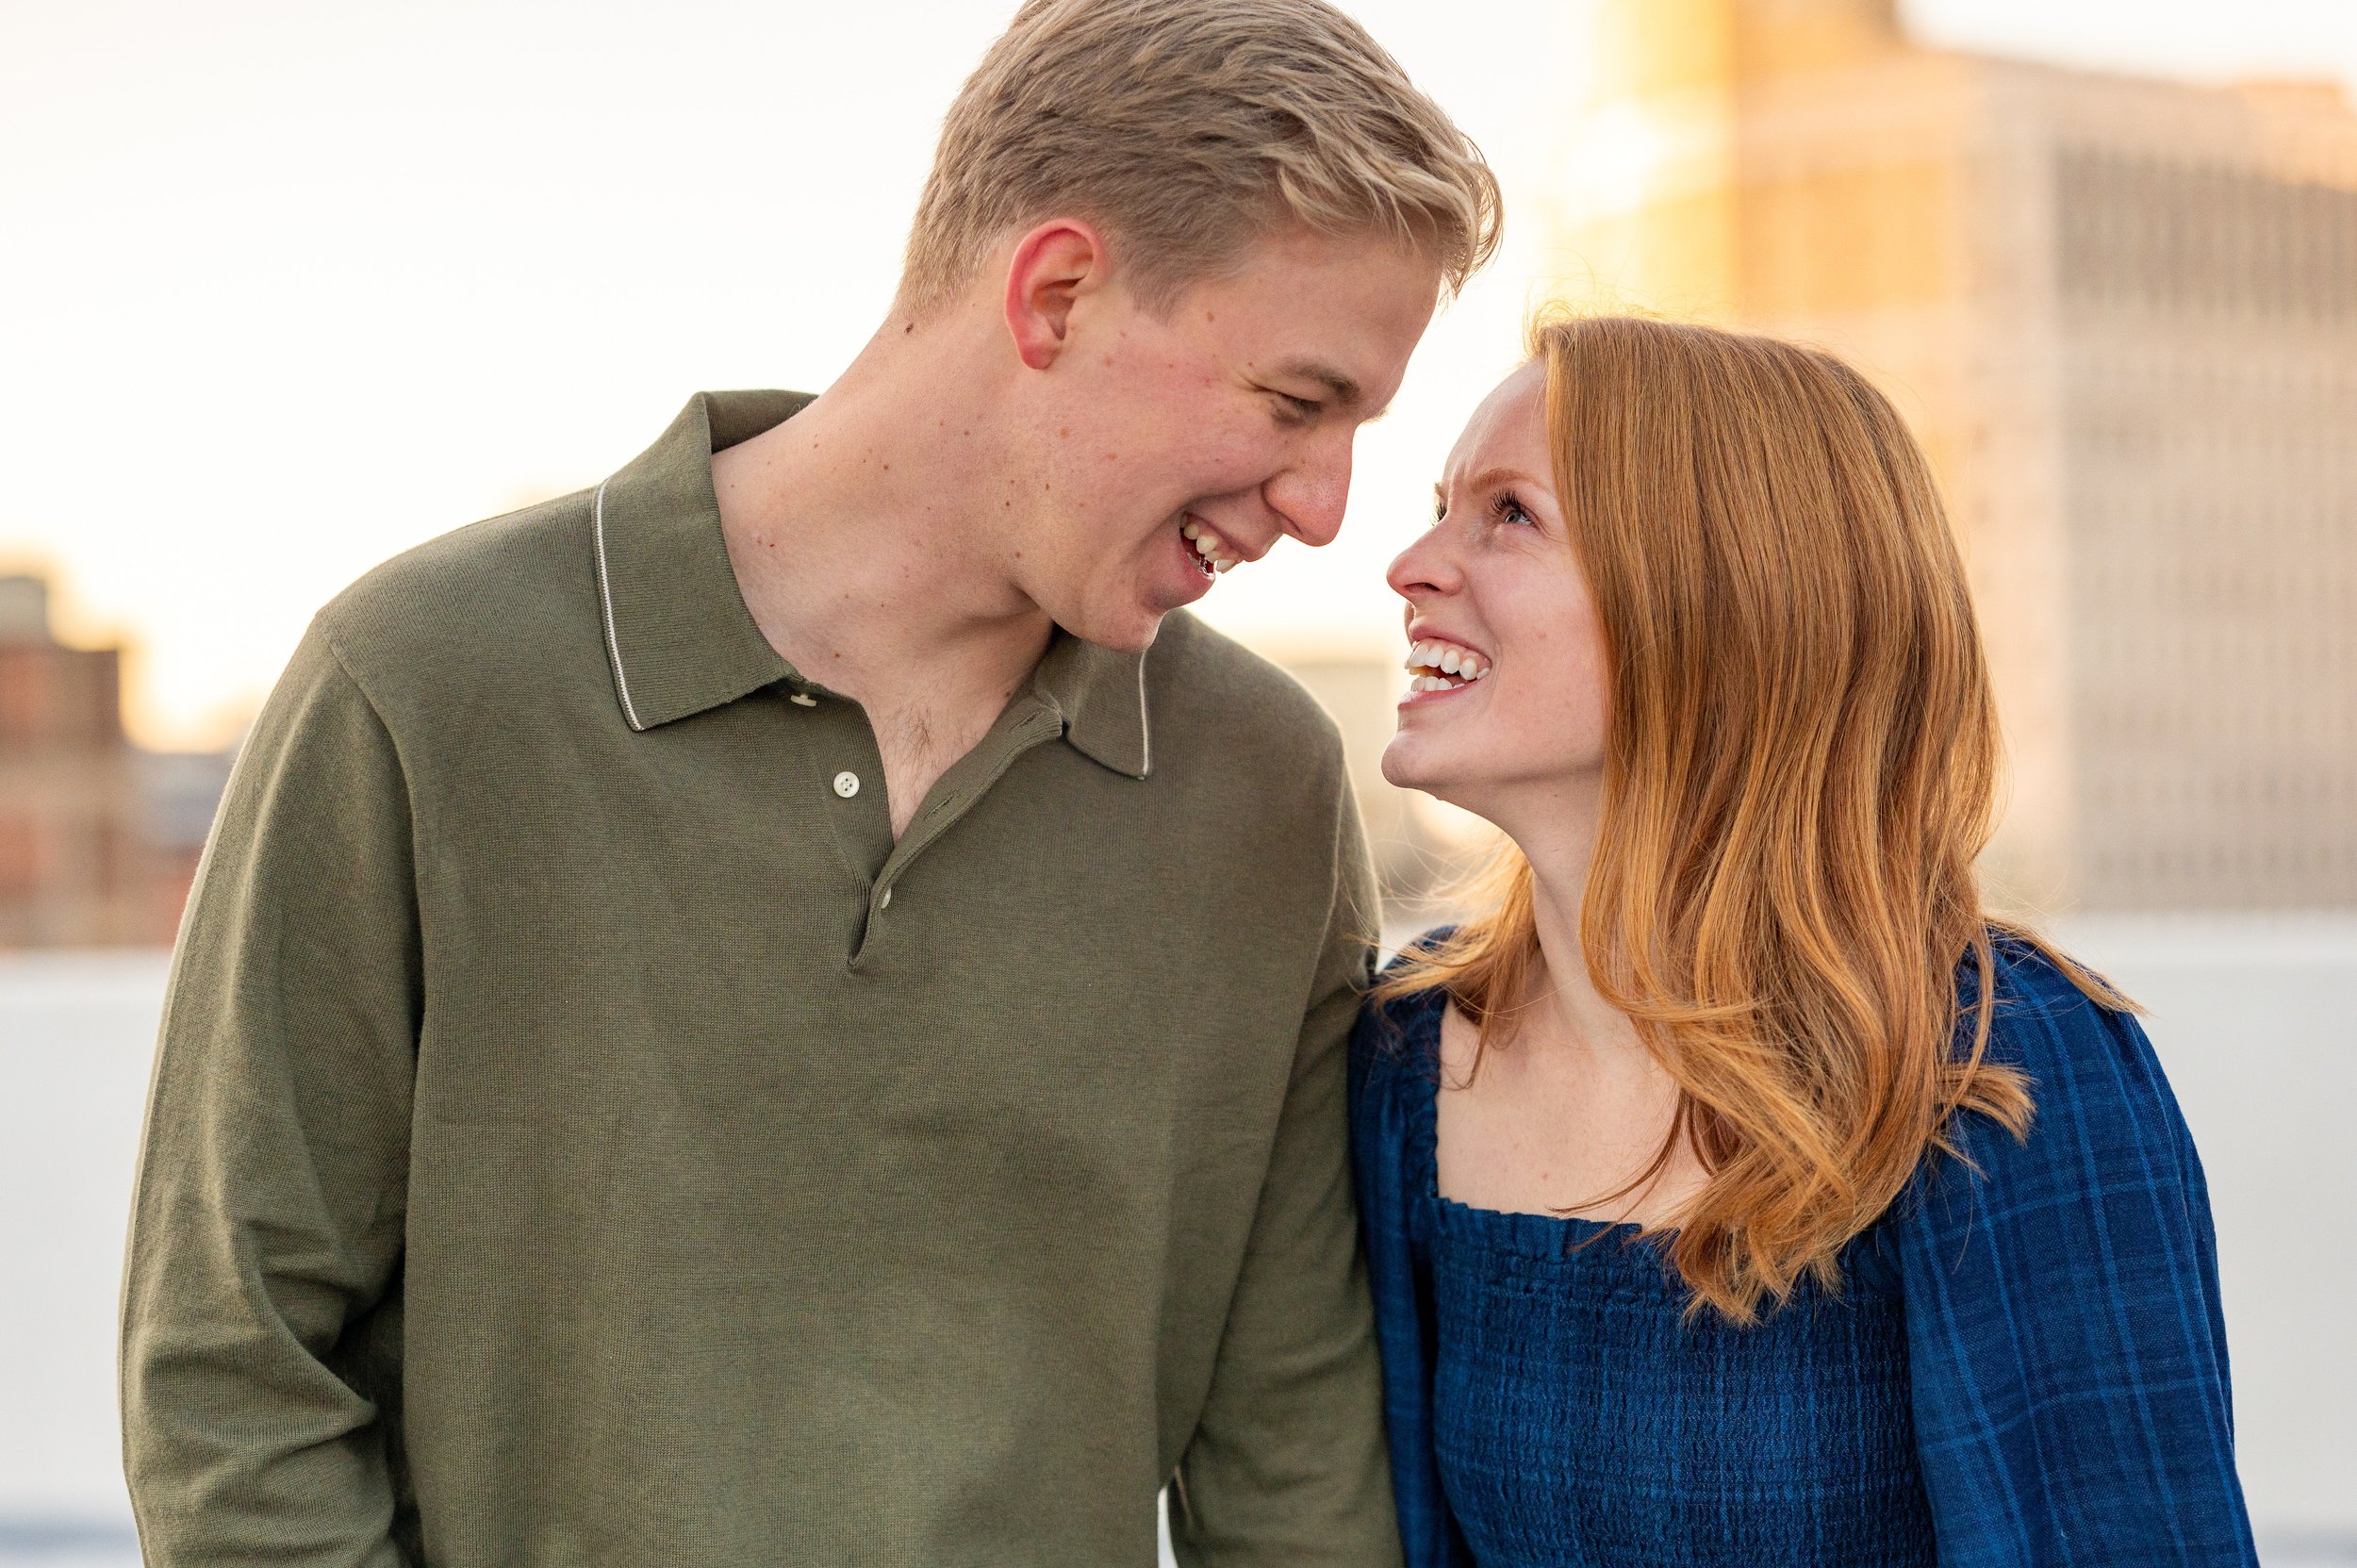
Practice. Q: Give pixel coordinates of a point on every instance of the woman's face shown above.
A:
(1509, 699)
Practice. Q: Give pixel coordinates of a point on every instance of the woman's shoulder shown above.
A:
(1396, 1017)
(2049, 1009)
(2034, 974)
(2096, 1089)
(1398, 1033)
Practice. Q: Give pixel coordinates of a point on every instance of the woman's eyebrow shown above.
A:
(1488, 477)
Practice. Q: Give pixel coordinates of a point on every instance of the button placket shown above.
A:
(965, 781)
(819, 740)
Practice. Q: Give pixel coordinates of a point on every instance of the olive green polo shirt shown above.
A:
(580, 1134)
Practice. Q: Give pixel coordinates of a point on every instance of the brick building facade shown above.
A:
(98, 840)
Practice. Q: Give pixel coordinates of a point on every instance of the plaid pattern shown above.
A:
(2068, 1355)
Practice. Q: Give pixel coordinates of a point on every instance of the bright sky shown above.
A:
(285, 288)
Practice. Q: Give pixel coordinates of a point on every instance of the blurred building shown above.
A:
(2122, 316)
(98, 839)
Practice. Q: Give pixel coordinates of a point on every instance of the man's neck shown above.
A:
(850, 531)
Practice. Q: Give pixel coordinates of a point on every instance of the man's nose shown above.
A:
(1312, 494)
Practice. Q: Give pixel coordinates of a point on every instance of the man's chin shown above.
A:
(1130, 636)
(1131, 629)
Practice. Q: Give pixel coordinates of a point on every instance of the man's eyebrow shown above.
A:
(1346, 391)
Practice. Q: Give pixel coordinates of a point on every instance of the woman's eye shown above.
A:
(1507, 508)
(1299, 409)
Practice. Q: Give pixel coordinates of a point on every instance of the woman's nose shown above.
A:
(1428, 565)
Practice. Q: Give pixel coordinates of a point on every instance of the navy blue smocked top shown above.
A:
(2022, 1366)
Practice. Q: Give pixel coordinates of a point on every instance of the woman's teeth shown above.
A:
(1209, 556)
(1443, 667)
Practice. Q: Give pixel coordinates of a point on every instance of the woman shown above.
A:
(1736, 1190)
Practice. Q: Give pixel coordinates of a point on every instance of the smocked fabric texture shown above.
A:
(2024, 1364)
(1695, 1444)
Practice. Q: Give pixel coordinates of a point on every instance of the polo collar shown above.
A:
(1101, 695)
(680, 639)
(676, 631)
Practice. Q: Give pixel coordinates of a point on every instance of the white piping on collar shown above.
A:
(605, 597)
(1146, 724)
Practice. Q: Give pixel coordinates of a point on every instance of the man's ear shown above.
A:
(1052, 266)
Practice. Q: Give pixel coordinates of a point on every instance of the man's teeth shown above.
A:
(1207, 545)
(1443, 667)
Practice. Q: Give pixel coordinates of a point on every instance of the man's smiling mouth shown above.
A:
(1213, 554)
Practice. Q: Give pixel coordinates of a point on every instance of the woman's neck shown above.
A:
(1557, 835)
(1572, 1114)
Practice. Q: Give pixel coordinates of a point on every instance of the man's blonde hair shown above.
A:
(1186, 130)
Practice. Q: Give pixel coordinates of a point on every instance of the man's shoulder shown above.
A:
(1204, 684)
(518, 589)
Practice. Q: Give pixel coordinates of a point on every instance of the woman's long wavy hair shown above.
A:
(1801, 761)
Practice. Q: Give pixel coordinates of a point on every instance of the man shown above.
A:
(785, 1009)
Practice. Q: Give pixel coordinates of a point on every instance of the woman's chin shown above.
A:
(1410, 763)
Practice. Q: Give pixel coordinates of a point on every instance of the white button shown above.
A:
(801, 700)
(884, 903)
(847, 784)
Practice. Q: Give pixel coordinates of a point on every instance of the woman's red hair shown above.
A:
(1801, 761)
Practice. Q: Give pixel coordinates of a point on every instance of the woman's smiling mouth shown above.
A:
(1437, 665)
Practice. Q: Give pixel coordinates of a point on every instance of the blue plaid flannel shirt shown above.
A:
(2065, 1339)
